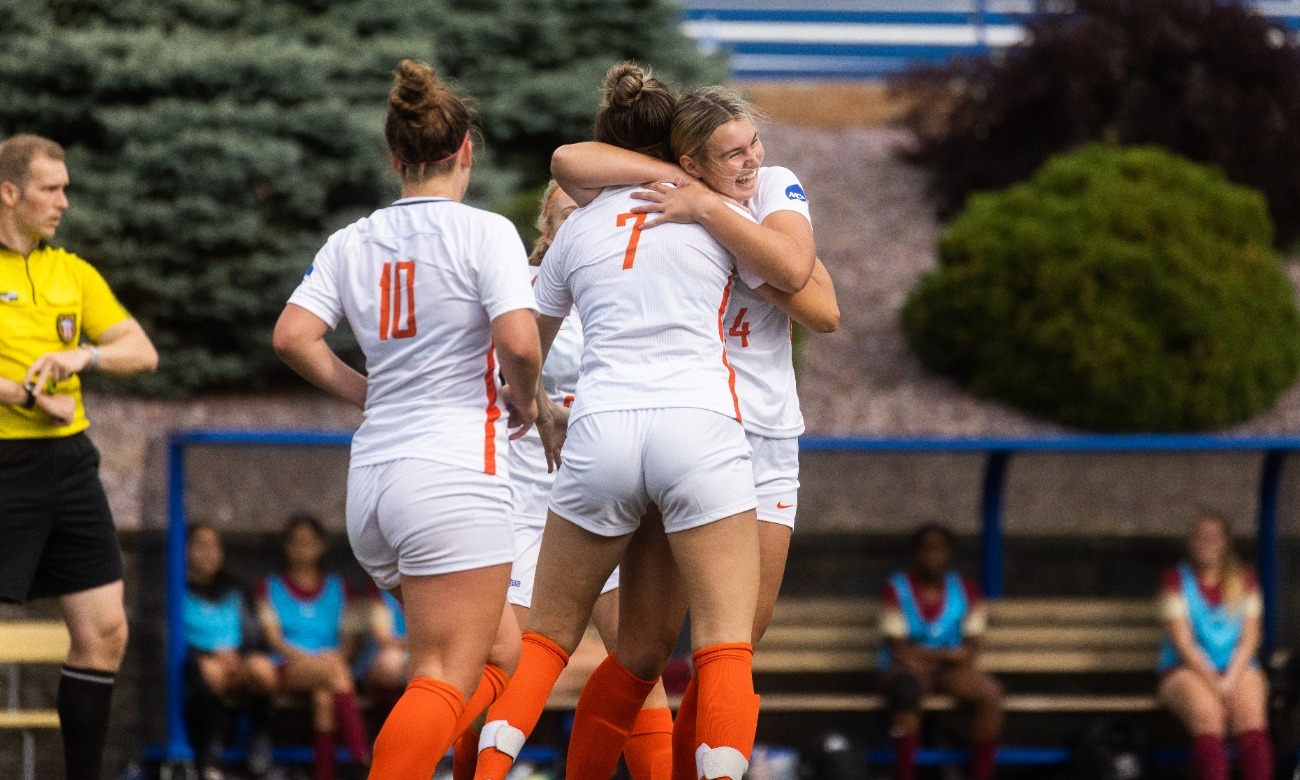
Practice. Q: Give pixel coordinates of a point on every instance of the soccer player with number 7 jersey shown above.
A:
(436, 293)
(715, 139)
(655, 420)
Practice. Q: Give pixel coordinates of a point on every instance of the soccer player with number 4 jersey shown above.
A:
(438, 296)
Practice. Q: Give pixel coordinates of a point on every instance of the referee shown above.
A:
(58, 318)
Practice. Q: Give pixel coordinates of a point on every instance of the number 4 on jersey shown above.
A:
(638, 219)
(397, 295)
(740, 328)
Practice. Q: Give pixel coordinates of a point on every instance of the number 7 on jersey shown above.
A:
(638, 219)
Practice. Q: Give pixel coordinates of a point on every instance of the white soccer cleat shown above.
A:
(718, 763)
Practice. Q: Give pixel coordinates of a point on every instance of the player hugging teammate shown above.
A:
(678, 457)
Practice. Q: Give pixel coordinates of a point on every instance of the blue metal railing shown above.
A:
(999, 452)
(866, 39)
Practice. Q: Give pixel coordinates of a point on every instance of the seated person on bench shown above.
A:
(931, 621)
(304, 615)
(221, 666)
(382, 665)
(1209, 674)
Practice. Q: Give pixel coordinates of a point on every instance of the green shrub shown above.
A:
(1122, 289)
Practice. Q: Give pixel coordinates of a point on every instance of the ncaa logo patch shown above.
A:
(795, 192)
(310, 270)
(66, 324)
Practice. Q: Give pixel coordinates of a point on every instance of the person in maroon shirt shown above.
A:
(931, 622)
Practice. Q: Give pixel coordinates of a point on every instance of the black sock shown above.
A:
(203, 714)
(85, 698)
(259, 749)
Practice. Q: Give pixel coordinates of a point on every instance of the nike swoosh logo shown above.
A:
(779, 505)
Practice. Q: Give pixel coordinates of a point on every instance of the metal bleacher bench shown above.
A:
(21, 643)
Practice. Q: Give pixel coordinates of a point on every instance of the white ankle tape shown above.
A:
(501, 735)
(720, 762)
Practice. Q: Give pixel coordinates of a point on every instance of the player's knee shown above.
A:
(505, 653)
(648, 657)
(904, 691)
(646, 663)
(101, 644)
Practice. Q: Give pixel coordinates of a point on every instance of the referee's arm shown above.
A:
(122, 349)
(11, 392)
(125, 349)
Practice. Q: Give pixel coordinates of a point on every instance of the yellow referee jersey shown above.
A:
(48, 301)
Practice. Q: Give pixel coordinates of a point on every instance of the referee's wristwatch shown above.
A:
(30, 388)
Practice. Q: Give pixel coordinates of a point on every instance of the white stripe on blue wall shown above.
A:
(915, 34)
(866, 38)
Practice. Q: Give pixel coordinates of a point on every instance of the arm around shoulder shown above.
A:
(781, 250)
(585, 168)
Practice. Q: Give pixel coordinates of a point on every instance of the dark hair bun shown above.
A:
(416, 91)
(624, 83)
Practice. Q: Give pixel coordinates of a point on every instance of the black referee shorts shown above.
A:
(56, 530)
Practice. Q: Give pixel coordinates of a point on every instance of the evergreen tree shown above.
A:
(215, 144)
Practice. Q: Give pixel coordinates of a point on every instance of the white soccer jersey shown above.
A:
(758, 333)
(420, 283)
(652, 304)
(530, 484)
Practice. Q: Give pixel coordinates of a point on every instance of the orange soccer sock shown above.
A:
(489, 689)
(728, 710)
(540, 664)
(418, 731)
(465, 751)
(684, 733)
(607, 710)
(649, 750)
(464, 756)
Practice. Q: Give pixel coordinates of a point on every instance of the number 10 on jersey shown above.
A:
(397, 297)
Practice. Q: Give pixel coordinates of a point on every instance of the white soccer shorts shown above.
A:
(528, 542)
(419, 518)
(776, 477)
(693, 463)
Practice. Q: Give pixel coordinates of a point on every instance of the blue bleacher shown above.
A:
(867, 39)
